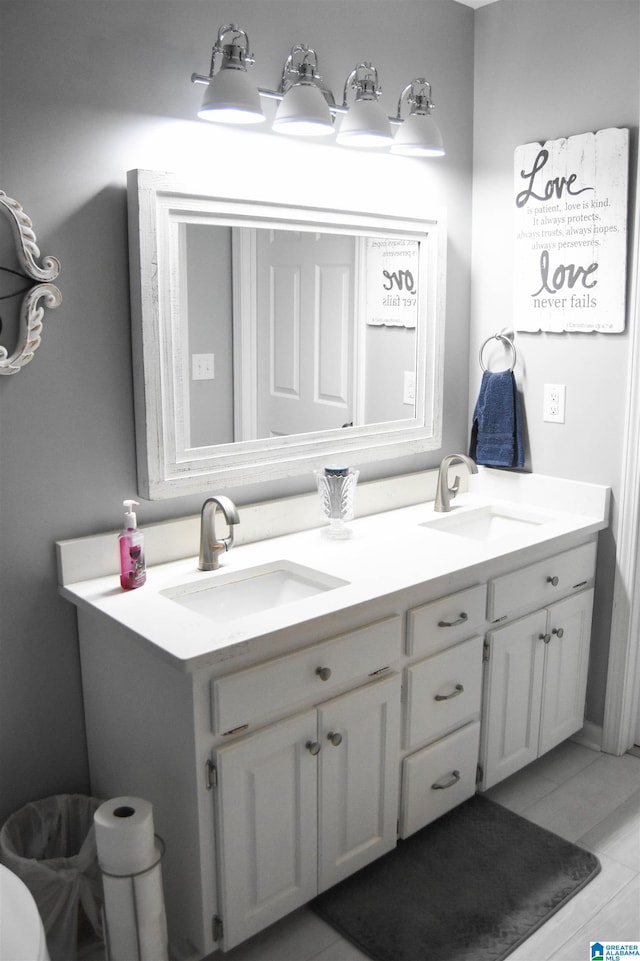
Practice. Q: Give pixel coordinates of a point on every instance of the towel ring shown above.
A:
(505, 340)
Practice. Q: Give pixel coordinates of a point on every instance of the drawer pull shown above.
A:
(558, 631)
(458, 689)
(313, 747)
(544, 637)
(554, 581)
(459, 620)
(324, 673)
(442, 785)
(335, 737)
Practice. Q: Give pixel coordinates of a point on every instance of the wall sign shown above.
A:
(570, 200)
(392, 278)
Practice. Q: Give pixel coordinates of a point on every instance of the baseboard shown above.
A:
(590, 736)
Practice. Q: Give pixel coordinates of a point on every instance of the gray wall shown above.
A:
(544, 70)
(89, 90)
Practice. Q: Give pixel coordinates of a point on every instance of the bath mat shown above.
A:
(471, 886)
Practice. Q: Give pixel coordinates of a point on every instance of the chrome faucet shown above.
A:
(444, 493)
(210, 546)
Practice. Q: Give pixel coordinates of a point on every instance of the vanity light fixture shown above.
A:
(304, 108)
(418, 135)
(365, 123)
(230, 96)
(307, 108)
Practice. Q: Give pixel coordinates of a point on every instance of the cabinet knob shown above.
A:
(335, 737)
(313, 747)
(544, 637)
(446, 782)
(554, 581)
(324, 673)
(558, 631)
(459, 620)
(458, 689)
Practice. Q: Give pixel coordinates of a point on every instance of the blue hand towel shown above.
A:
(496, 433)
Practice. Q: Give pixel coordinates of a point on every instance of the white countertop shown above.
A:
(388, 552)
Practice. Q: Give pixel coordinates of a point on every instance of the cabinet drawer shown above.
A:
(443, 692)
(542, 583)
(444, 622)
(277, 686)
(438, 778)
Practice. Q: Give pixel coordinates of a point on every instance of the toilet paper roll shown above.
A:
(125, 835)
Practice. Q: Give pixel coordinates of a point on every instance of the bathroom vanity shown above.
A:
(294, 713)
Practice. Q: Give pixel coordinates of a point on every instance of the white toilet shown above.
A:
(21, 929)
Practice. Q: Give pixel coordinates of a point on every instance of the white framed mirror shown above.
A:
(271, 339)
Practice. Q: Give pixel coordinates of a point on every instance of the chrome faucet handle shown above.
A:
(231, 516)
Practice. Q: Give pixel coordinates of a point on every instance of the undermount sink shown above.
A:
(486, 523)
(240, 593)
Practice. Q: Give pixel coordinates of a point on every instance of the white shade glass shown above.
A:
(303, 112)
(418, 136)
(231, 98)
(365, 125)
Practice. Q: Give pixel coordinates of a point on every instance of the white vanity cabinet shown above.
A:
(536, 665)
(305, 802)
(282, 752)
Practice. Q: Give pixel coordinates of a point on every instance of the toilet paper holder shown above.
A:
(132, 877)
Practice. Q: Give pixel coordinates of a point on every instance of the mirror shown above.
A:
(271, 339)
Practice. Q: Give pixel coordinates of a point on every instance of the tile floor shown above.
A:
(586, 797)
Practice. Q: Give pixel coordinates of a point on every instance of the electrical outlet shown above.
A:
(554, 403)
(202, 366)
(409, 392)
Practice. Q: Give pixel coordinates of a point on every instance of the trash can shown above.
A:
(50, 844)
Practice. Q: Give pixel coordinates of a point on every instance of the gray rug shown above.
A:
(471, 886)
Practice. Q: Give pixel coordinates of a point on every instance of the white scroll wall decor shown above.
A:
(570, 202)
(39, 292)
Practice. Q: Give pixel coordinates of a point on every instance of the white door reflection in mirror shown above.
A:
(305, 335)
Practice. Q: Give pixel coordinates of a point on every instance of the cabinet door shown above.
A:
(359, 774)
(567, 662)
(513, 696)
(267, 826)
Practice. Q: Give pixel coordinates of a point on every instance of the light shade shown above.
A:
(231, 98)
(418, 136)
(303, 112)
(365, 125)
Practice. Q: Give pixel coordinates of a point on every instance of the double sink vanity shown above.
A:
(294, 713)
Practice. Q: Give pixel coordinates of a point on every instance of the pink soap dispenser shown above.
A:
(132, 568)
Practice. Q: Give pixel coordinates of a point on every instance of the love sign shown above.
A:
(392, 282)
(570, 201)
